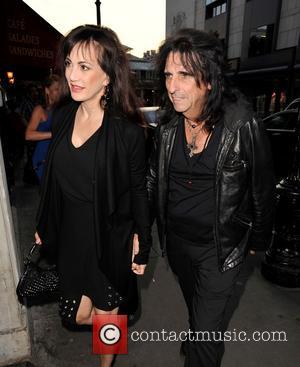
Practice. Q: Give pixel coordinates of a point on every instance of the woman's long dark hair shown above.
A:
(112, 58)
(202, 55)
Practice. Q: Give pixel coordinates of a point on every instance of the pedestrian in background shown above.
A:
(39, 126)
(30, 99)
(94, 195)
(210, 182)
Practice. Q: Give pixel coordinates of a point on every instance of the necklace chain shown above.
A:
(192, 146)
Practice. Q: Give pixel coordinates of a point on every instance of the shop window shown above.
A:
(261, 39)
(278, 101)
(143, 74)
(215, 8)
(259, 106)
(208, 2)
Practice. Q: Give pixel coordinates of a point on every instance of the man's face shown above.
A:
(187, 97)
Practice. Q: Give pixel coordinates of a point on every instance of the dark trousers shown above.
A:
(206, 292)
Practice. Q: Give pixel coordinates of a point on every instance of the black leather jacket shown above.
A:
(244, 184)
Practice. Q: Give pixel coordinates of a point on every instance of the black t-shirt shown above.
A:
(74, 167)
(191, 204)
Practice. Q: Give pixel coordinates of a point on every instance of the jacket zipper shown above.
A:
(248, 224)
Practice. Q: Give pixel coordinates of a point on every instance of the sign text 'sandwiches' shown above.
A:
(28, 40)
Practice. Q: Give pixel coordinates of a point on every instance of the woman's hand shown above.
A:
(136, 268)
(38, 241)
(135, 246)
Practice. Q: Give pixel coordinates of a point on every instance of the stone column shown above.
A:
(14, 331)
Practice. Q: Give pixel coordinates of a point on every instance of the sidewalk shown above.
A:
(260, 306)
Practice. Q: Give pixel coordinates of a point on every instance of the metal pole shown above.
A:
(228, 20)
(98, 3)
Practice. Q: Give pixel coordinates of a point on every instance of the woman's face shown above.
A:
(86, 79)
(53, 93)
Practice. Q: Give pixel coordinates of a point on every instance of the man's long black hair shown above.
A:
(202, 55)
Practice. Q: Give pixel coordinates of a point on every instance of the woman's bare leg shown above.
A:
(84, 316)
(106, 359)
(85, 312)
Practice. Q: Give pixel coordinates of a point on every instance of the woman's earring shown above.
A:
(106, 96)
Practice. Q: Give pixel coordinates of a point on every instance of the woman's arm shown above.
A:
(139, 198)
(38, 115)
(151, 175)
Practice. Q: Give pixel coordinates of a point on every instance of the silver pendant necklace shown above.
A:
(192, 145)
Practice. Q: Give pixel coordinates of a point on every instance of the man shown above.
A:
(211, 181)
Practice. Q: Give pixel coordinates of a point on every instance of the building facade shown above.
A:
(261, 39)
(28, 43)
(145, 77)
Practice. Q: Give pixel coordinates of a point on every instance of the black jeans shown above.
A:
(206, 291)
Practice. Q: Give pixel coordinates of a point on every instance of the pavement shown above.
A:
(258, 306)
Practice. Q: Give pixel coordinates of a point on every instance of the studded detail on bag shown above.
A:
(37, 284)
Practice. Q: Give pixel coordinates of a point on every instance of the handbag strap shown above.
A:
(29, 256)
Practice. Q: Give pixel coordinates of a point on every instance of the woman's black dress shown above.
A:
(78, 266)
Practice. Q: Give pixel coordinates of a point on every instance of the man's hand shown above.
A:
(136, 268)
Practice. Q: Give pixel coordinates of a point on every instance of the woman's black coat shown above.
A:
(120, 197)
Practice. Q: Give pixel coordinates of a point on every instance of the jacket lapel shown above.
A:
(104, 169)
(62, 119)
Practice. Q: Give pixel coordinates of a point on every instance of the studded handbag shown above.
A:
(37, 285)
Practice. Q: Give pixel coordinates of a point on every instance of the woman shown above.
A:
(94, 196)
(39, 126)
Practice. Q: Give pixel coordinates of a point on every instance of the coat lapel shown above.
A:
(104, 170)
(62, 119)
